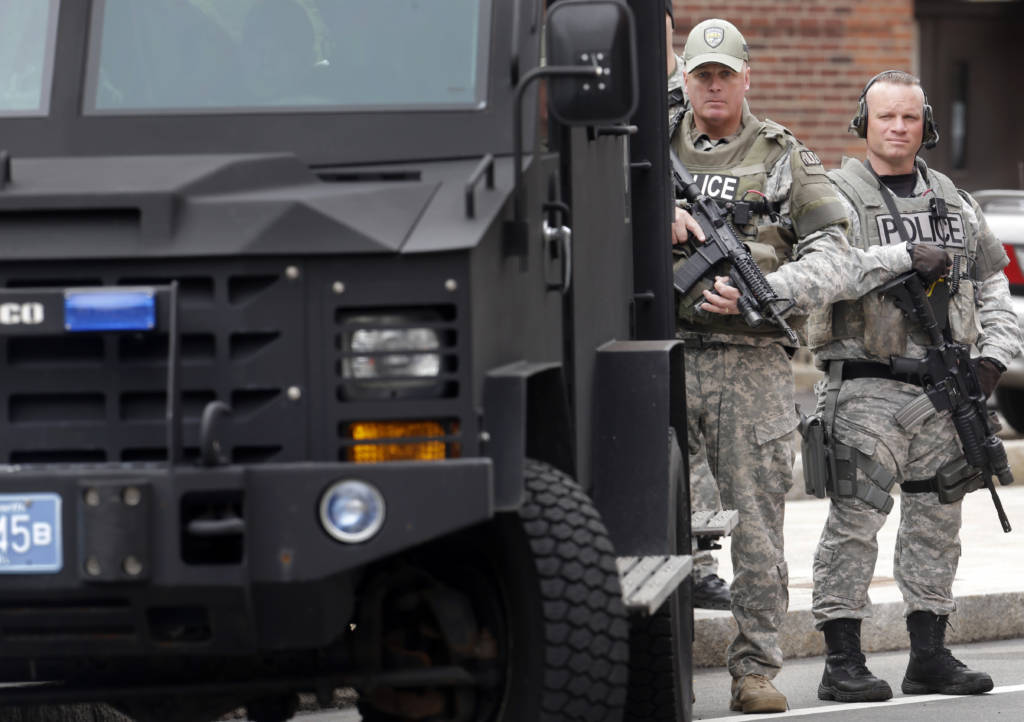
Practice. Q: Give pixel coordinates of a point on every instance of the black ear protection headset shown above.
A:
(859, 124)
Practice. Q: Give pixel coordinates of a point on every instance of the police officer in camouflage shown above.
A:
(710, 591)
(885, 430)
(739, 384)
(677, 102)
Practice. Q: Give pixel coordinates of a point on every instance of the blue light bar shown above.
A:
(104, 309)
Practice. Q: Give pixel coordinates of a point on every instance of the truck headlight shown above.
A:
(352, 511)
(390, 355)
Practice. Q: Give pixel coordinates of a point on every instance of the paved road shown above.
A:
(1004, 660)
(798, 680)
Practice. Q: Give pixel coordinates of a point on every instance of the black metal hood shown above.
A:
(216, 205)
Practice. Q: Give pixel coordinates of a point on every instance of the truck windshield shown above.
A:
(26, 55)
(199, 56)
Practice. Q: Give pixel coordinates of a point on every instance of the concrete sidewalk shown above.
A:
(989, 586)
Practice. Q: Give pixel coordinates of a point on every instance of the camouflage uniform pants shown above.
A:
(704, 496)
(740, 413)
(928, 540)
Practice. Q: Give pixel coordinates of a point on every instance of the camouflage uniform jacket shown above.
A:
(796, 208)
(678, 103)
(999, 335)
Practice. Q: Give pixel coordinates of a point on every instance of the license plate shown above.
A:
(30, 539)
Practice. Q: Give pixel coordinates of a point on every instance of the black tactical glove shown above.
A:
(988, 371)
(930, 261)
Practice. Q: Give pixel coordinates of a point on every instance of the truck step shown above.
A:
(648, 581)
(713, 523)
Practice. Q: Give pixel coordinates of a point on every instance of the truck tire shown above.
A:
(654, 689)
(63, 713)
(548, 640)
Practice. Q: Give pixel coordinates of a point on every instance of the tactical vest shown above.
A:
(738, 171)
(874, 319)
(678, 103)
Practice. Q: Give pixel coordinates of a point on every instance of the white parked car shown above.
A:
(1004, 211)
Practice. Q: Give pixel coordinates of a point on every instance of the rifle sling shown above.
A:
(887, 197)
(939, 300)
(835, 381)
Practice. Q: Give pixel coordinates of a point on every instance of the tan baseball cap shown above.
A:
(715, 41)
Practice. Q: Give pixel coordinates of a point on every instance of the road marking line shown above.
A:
(844, 706)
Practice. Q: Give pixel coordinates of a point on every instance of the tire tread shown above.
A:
(587, 631)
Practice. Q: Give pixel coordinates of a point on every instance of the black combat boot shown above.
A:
(933, 668)
(711, 592)
(846, 678)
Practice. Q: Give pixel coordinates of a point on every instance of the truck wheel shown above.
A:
(523, 617)
(1011, 405)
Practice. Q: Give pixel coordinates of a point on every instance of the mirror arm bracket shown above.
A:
(561, 71)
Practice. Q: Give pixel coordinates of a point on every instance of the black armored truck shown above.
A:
(335, 347)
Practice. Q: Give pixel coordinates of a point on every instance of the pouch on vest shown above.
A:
(964, 324)
(816, 456)
(956, 479)
(885, 327)
(764, 254)
(780, 239)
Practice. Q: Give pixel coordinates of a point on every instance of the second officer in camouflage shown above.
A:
(885, 429)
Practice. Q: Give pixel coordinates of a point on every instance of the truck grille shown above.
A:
(265, 336)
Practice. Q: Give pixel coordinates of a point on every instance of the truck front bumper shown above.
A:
(219, 560)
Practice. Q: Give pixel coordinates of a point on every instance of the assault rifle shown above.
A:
(950, 382)
(757, 298)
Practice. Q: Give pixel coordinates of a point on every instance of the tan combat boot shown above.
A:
(756, 693)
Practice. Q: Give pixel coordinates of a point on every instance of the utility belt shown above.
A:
(874, 370)
(830, 466)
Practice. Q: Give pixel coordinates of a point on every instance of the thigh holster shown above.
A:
(875, 490)
(952, 482)
(830, 466)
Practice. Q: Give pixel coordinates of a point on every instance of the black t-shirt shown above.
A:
(902, 186)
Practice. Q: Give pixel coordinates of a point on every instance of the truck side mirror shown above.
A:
(597, 33)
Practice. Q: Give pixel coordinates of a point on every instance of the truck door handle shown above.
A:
(561, 236)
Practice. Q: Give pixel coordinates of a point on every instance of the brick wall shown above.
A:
(810, 59)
